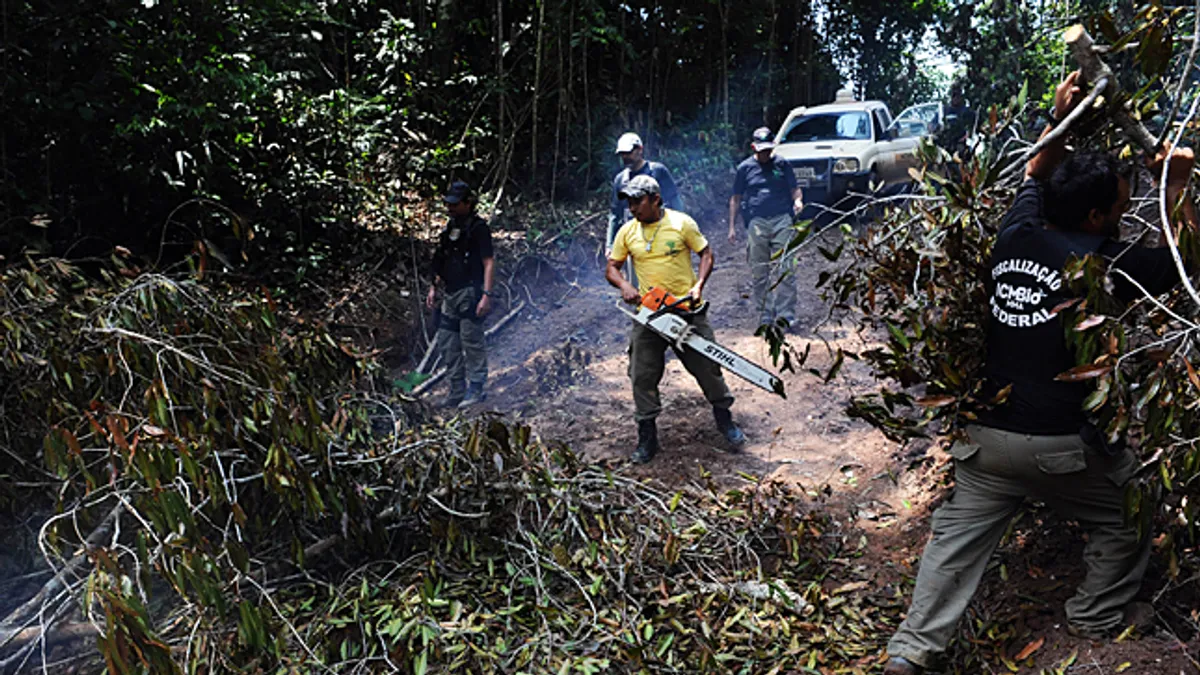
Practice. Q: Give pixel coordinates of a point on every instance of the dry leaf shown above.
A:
(850, 587)
(1087, 371)
(1031, 648)
(1063, 305)
(935, 401)
(1192, 374)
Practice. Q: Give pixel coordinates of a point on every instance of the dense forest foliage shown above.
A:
(211, 476)
(154, 124)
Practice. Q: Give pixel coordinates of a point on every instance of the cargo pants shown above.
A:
(460, 340)
(773, 281)
(647, 360)
(994, 473)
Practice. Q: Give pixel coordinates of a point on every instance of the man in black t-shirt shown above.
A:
(463, 262)
(766, 193)
(1038, 443)
(958, 122)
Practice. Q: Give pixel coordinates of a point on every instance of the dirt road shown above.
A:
(562, 370)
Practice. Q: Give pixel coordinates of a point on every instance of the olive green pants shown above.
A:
(994, 473)
(647, 360)
(460, 340)
(773, 282)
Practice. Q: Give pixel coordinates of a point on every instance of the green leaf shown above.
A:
(898, 335)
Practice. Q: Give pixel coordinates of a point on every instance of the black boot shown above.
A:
(729, 429)
(647, 445)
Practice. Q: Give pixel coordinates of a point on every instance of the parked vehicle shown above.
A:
(846, 147)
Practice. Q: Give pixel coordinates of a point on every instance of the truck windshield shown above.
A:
(851, 125)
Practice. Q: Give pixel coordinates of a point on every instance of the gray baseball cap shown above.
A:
(638, 187)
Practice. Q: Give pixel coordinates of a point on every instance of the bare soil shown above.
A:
(561, 368)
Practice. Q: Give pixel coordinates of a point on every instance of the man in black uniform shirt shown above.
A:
(1031, 445)
(464, 263)
(958, 122)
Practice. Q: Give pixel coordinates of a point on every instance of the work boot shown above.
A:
(1138, 614)
(475, 394)
(729, 429)
(898, 665)
(647, 445)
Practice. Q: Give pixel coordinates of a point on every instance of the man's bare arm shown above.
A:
(1066, 97)
(612, 273)
(707, 263)
(1178, 174)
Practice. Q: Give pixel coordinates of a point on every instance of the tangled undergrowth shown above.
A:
(218, 494)
(918, 277)
(515, 557)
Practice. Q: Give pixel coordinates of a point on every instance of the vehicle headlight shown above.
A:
(845, 165)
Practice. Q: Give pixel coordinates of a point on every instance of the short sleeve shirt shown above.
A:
(766, 189)
(661, 252)
(462, 247)
(1025, 340)
(660, 173)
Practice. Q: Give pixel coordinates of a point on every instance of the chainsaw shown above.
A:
(667, 316)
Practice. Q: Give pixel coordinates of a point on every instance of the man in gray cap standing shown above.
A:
(771, 198)
(632, 152)
(661, 242)
(463, 262)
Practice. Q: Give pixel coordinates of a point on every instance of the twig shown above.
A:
(1059, 130)
(1184, 77)
(32, 605)
(289, 624)
(460, 514)
(1168, 231)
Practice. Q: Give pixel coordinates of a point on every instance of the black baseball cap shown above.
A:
(459, 190)
(764, 139)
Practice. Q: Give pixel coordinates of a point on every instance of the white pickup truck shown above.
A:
(846, 146)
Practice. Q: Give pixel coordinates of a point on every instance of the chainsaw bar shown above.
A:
(676, 330)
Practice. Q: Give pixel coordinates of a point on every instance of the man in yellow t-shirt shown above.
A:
(661, 242)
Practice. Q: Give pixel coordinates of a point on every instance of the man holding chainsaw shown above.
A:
(1036, 440)
(660, 242)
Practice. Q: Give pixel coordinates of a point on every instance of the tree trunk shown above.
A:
(500, 85)
(587, 105)
(621, 78)
(562, 104)
(724, 11)
(537, 90)
(766, 102)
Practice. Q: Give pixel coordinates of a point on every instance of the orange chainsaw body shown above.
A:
(658, 298)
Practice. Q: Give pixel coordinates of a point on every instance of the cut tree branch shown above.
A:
(1083, 49)
(1059, 130)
